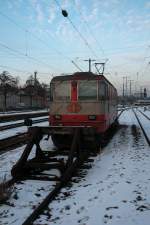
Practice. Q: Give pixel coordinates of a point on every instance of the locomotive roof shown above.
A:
(80, 76)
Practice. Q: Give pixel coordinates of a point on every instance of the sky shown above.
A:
(35, 36)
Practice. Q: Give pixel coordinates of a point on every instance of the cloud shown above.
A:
(147, 4)
(37, 6)
(40, 15)
(64, 32)
(66, 4)
(10, 5)
(52, 13)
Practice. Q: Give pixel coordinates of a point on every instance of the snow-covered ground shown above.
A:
(23, 112)
(144, 121)
(18, 130)
(21, 121)
(116, 190)
(26, 194)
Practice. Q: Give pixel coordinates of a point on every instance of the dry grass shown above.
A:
(5, 190)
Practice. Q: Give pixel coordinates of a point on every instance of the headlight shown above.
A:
(57, 117)
(92, 117)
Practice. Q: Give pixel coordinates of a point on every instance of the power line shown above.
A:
(39, 39)
(65, 14)
(88, 28)
(141, 68)
(26, 30)
(17, 70)
(22, 54)
(21, 71)
(77, 66)
(67, 57)
(82, 37)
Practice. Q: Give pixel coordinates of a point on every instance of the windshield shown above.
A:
(87, 90)
(61, 90)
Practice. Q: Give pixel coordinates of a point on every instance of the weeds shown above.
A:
(5, 190)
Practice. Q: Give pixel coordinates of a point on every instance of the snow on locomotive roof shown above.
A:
(81, 76)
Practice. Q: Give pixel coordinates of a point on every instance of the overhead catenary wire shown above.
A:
(22, 71)
(22, 54)
(15, 69)
(72, 61)
(39, 39)
(88, 28)
(144, 60)
(65, 14)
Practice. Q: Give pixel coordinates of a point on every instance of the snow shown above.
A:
(27, 194)
(116, 190)
(144, 121)
(18, 130)
(21, 121)
(22, 112)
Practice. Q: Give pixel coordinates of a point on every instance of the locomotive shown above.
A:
(82, 99)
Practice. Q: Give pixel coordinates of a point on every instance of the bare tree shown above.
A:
(42, 90)
(31, 88)
(8, 84)
(34, 89)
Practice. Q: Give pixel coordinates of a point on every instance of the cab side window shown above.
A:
(103, 90)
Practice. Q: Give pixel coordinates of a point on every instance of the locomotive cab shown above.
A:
(82, 99)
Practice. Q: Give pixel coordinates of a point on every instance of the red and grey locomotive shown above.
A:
(82, 99)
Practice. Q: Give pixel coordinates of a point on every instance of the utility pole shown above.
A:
(35, 87)
(130, 86)
(126, 86)
(89, 60)
(136, 87)
(123, 93)
(123, 87)
(141, 93)
(35, 77)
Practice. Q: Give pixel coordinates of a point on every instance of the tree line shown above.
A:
(10, 85)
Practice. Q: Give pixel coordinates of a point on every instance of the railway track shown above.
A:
(61, 182)
(141, 126)
(18, 139)
(21, 116)
(144, 114)
(10, 126)
(14, 141)
(33, 169)
(50, 197)
(67, 166)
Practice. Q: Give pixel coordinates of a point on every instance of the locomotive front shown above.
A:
(81, 99)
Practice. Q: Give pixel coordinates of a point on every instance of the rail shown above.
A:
(144, 114)
(142, 128)
(10, 126)
(20, 116)
(29, 168)
(23, 169)
(11, 142)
